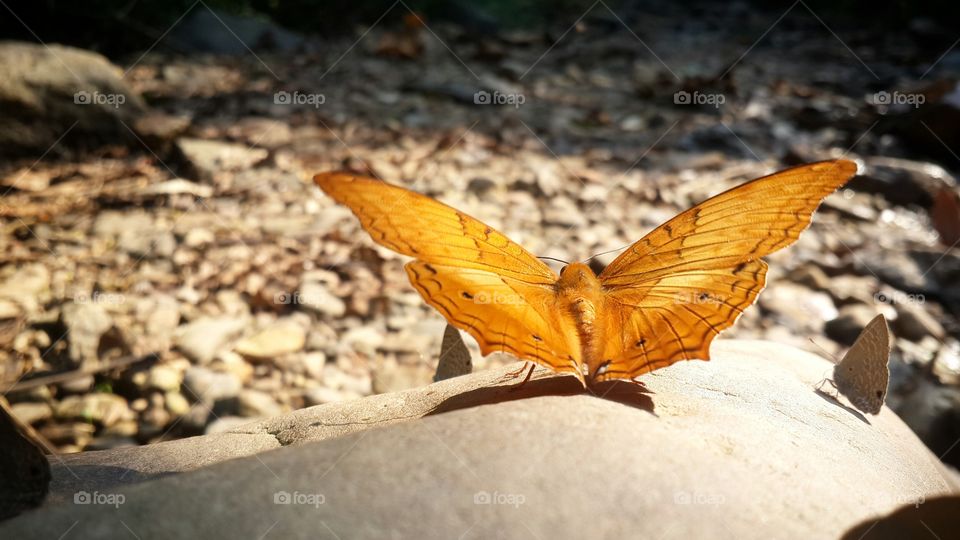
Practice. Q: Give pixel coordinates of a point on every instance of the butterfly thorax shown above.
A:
(581, 294)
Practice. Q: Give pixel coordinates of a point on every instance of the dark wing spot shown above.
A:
(669, 229)
(739, 268)
(467, 295)
(487, 231)
(430, 268)
(879, 394)
(704, 296)
(536, 337)
(640, 342)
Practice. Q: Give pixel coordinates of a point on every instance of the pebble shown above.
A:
(100, 408)
(76, 434)
(226, 423)
(233, 363)
(914, 323)
(253, 403)
(362, 339)
(208, 386)
(176, 404)
(316, 297)
(30, 412)
(811, 276)
(210, 157)
(201, 339)
(123, 428)
(797, 307)
(848, 324)
(164, 378)
(86, 323)
(946, 366)
(276, 340)
(77, 385)
(391, 376)
(323, 394)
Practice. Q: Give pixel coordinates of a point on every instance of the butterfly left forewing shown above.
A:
(477, 278)
(674, 290)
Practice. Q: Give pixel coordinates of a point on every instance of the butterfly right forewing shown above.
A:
(862, 375)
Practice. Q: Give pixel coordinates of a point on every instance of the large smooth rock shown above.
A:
(52, 91)
(740, 446)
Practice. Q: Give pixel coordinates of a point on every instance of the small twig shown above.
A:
(55, 378)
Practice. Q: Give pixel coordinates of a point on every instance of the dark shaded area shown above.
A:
(24, 470)
(118, 27)
(835, 401)
(633, 394)
(934, 518)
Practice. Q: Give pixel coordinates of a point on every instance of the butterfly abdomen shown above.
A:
(580, 292)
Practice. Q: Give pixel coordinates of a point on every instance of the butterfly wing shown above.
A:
(477, 278)
(675, 289)
(454, 358)
(862, 375)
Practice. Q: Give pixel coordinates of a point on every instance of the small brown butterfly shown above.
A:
(455, 358)
(862, 375)
(662, 300)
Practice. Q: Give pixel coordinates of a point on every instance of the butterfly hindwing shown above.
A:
(862, 375)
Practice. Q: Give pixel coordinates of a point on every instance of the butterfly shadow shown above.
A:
(631, 393)
(837, 403)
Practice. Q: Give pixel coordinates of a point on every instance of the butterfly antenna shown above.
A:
(552, 259)
(835, 361)
(605, 252)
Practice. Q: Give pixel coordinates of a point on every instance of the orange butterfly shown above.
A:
(663, 300)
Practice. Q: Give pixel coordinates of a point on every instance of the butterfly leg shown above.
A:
(835, 395)
(516, 373)
(527, 378)
(820, 384)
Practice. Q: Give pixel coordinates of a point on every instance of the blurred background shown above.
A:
(168, 269)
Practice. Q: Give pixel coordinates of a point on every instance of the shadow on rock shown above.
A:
(919, 519)
(629, 393)
(834, 401)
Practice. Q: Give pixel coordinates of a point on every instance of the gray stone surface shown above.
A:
(740, 446)
(108, 469)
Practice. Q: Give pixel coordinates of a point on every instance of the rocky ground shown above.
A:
(190, 277)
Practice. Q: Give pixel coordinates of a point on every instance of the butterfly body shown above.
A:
(580, 294)
(662, 300)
